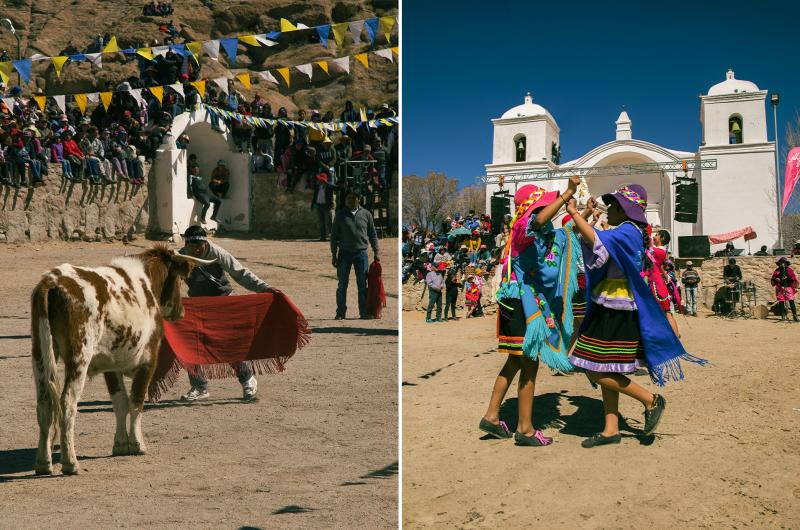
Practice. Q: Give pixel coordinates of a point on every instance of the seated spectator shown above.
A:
(201, 195)
(74, 155)
(220, 180)
(762, 252)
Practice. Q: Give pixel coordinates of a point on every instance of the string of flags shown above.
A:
(245, 78)
(334, 126)
(373, 27)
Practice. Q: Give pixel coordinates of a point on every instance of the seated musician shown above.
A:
(731, 272)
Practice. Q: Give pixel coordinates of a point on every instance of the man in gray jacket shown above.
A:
(353, 230)
(210, 280)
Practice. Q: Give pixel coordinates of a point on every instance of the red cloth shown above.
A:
(71, 148)
(264, 329)
(376, 296)
(730, 236)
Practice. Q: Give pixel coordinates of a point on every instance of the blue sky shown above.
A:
(467, 62)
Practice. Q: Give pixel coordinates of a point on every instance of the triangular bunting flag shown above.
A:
(146, 53)
(160, 50)
(244, 78)
(222, 83)
(5, 70)
(105, 97)
(23, 66)
(9, 103)
(300, 25)
(387, 23)
(265, 41)
(136, 93)
(40, 57)
(267, 76)
(195, 47)
(92, 97)
(363, 59)
(60, 102)
(95, 58)
(386, 54)
(41, 101)
(77, 58)
(179, 49)
(363, 114)
(201, 88)
(177, 87)
(80, 100)
(158, 92)
(111, 46)
(306, 69)
(285, 74)
(372, 29)
(324, 66)
(323, 32)
(343, 63)
(338, 32)
(58, 64)
(287, 26)
(355, 29)
(249, 39)
(396, 51)
(230, 46)
(212, 48)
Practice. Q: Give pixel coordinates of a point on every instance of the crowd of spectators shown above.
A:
(160, 9)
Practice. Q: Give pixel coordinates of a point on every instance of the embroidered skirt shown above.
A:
(510, 326)
(611, 342)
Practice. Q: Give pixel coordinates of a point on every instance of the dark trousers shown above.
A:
(205, 199)
(451, 297)
(360, 262)
(792, 307)
(199, 381)
(434, 298)
(324, 215)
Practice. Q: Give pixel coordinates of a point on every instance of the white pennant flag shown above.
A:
(39, 57)
(60, 102)
(160, 50)
(222, 83)
(95, 58)
(386, 54)
(300, 25)
(9, 104)
(177, 87)
(343, 63)
(267, 76)
(355, 28)
(93, 97)
(137, 95)
(212, 49)
(306, 69)
(265, 41)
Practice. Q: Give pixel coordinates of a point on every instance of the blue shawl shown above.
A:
(662, 349)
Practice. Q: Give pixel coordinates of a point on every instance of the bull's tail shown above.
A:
(48, 406)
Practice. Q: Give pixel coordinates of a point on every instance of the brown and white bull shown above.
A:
(101, 319)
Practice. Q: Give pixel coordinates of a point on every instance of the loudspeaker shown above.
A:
(686, 202)
(694, 247)
(501, 205)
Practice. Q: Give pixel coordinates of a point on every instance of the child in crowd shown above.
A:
(625, 327)
(656, 277)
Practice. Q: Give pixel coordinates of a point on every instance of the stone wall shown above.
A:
(757, 269)
(71, 211)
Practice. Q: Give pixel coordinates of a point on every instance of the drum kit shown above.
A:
(735, 300)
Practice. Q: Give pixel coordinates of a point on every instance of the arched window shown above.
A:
(519, 149)
(555, 153)
(735, 129)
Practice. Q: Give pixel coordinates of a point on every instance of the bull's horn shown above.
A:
(200, 261)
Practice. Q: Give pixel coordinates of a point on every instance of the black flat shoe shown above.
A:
(537, 439)
(498, 431)
(599, 439)
(653, 416)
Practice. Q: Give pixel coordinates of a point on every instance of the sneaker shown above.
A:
(339, 317)
(428, 320)
(250, 389)
(599, 439)
(653, 416)
(195, 394)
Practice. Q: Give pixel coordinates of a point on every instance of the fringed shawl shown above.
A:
(662, 349)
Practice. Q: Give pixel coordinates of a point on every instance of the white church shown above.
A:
(738, 193)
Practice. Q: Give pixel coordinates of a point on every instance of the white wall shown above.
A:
(539, 131)
(717, 110)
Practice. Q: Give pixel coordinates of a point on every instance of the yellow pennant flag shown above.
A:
(363, 59)
(244, 79)
(386, 24)
(158, 92)
(285, 74)
(200, 86)
(105, 97)
(147, 53)
(195, 48)
(339, 31)
(80, 100)
(396, 51)
(5, 70)
(249, 39)
(287, 26)
(324, 66)
(58, 63)
(111, 46)
(41, 101)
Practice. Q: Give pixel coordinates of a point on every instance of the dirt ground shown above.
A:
(725, 454)
(318, 449)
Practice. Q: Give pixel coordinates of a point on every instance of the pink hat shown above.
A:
(531, 197)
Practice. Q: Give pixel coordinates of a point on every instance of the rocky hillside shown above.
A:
(49, 26)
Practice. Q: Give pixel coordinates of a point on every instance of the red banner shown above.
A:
(747, 232)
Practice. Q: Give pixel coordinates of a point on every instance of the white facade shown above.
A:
(175, 210)
(739, 193)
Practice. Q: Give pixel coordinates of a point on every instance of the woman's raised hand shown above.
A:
(574, 182)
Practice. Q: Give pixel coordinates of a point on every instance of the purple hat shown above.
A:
(632, 199)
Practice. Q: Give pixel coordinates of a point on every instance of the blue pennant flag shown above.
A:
(323, 32)
(129, 51)
(77, 58)
(230, 46)
(372, 28)
(23, 66)
(179, 49)
(273, 35)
